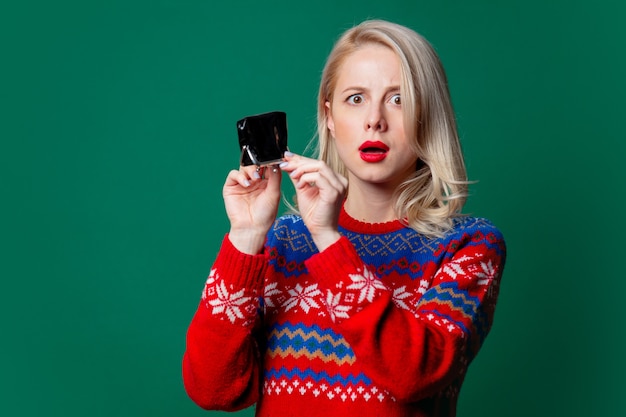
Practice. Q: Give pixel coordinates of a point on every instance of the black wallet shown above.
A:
(262, 138)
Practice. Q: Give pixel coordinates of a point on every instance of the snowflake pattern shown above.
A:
(303, 297)
(455, 269)
(208, 286)
(336, 310)
(340, 293)
(399, 297)
(269, 292)
(467, 266)
(424, 284)
(229, 304)
(488, 273)
(367, 283)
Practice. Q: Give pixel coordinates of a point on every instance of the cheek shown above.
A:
(343, 123)
(397, 120)
(344, 132)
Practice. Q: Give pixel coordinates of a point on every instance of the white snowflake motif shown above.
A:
(487, 274)
(399, 295)
(334, 308)
(423, 286)
(304, 297)
(367, 283)
(454, 269)
(228, 304)
(269, 292)
(209, 282)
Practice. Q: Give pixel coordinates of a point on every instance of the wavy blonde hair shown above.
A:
(437, 190)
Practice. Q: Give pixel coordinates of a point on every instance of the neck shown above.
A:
(370, 203)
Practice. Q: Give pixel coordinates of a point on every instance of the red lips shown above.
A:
(373, 151)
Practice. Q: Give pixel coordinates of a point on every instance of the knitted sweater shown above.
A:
(382, 323)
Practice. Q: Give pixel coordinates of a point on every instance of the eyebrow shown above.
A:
(358, 88)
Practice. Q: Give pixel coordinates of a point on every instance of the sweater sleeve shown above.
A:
(221, 360)
(414, 352)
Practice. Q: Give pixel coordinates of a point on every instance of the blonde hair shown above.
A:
(437, 190)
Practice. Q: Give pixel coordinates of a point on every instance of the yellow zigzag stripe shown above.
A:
(318, 354)
(308, 335)
(278, 351)
(450, 304)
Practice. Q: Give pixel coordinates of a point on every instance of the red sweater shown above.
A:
(383, 323)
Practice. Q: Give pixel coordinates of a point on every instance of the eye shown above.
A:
(355, 99)
(395, 99)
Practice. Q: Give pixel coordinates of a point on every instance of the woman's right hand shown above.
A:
(251, 206)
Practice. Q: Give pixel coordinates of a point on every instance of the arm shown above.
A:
(221, 362)
(413, 353)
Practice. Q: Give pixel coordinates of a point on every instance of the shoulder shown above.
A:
(470, 230)
(469, 224)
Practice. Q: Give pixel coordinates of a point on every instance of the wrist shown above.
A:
(325, 239)
(247, 241)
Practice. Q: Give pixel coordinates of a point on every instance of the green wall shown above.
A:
(117, 130)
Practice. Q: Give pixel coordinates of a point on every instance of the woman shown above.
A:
(374, 299)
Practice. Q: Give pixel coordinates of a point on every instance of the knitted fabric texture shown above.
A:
(385, 322)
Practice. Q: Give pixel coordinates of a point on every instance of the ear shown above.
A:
(330, 123)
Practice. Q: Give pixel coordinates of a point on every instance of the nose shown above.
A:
(375, 119)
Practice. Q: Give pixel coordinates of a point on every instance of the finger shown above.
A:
(298, 168)
(274, 176)
(337, 181)
(297, 165)
(327, 187)
(310, 179)
(253, 173)
(293, 161)
(324, 177)
(235, 178)
(239, 177)
(290, 156)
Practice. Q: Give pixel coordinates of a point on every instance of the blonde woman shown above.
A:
(376, 296)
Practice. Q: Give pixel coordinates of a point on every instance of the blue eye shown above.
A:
(355, 99)
(395, 99)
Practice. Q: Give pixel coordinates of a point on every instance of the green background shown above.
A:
(117, 128)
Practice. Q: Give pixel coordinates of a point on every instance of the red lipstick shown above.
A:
(373, 151)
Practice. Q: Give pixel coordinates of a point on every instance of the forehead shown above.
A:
(370, 64)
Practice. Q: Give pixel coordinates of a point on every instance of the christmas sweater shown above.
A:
(382, 323)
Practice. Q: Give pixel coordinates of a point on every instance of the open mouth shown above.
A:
(373, 151)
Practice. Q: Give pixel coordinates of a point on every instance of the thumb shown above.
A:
(274, 176)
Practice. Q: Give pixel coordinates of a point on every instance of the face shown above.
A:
(365, 118)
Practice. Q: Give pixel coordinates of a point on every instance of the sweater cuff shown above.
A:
(338, 259)
(239, 269)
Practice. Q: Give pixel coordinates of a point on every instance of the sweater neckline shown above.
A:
(350, 223)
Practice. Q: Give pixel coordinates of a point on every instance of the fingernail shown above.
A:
(283, 164)
(246, 183)
(256, 175)
(288, 154)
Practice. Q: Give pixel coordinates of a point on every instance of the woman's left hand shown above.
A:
(320, 193)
